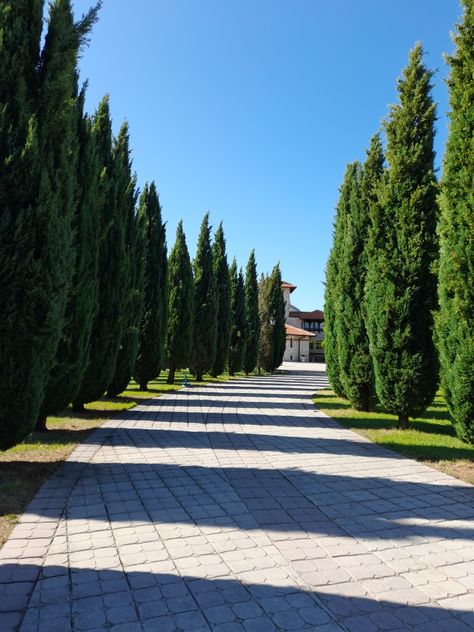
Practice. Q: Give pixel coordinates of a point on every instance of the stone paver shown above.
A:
(238, 507)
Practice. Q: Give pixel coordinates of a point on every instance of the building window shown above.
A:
(291, 343)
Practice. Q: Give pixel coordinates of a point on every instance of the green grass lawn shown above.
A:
(430, 438)
(25, 467)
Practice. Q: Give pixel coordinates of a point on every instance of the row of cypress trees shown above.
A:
(89, 297)
(216, 319)
(399, 301)
(48, 155)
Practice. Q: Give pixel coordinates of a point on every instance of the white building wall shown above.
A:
(299, 352)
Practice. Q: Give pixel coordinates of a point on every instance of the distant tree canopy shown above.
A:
(179, 331)
(203, 353)
(152, 330)
(252, 330)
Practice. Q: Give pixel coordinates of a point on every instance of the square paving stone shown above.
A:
(121, 614)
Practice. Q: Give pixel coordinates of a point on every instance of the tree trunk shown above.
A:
(403, 422)
(171, 373)
(199, 376)
(144, 386)
(40, 425)
(78, 407)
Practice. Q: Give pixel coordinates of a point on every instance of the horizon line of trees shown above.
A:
(90, 298)
(399, 297)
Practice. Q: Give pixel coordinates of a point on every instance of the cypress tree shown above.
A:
(133, 312)
(355, 361)
(345, 300)
(57, 116)
(221, 275)
(38, 124)
(265, 343)
(73, 351)
(23, 327)
(179, 329)
(252, 328)
(276, 309)
(205, 308)
(117, 198)
(333, 293)
(456, 277)
(150, 359)
(237, 318)
(401, 284)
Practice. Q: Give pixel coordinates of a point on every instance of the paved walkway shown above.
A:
(240, 508)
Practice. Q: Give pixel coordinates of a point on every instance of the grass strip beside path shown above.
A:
(431, 437)
(24, 468)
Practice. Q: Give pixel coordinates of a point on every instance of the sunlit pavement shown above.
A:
(238, 507)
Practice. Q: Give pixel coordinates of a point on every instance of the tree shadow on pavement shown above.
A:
(60, 598)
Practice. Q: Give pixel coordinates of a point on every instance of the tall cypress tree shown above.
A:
(252, 329)
(333, 293)
(150, 359)
(205, 307)
(355, 360)
(38, 125)
(237, 319)
(350, 253)
(24, 322)
(276, 308)
(401, 283)
(265, 343)
(135, 275)
(221, 275)
(117, 195)
(73, 351)
(456, 277)
(179, 331)
(57, 124)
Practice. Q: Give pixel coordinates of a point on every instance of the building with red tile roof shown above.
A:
(304, 331)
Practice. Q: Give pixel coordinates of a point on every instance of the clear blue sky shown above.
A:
(251, 109)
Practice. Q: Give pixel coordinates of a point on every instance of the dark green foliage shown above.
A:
(221, 275)
(135, 247)
(401, 283)
(73, 351)
(265, 343)
(179, 329)
(150, 359)
(38, 140)
(252, 328)
(455, 332)
(22, 308)
(276, 310)
(356, 372)
(237, 318)
(117, 200)
(205, 305)
(333, 291)
(57, 127)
